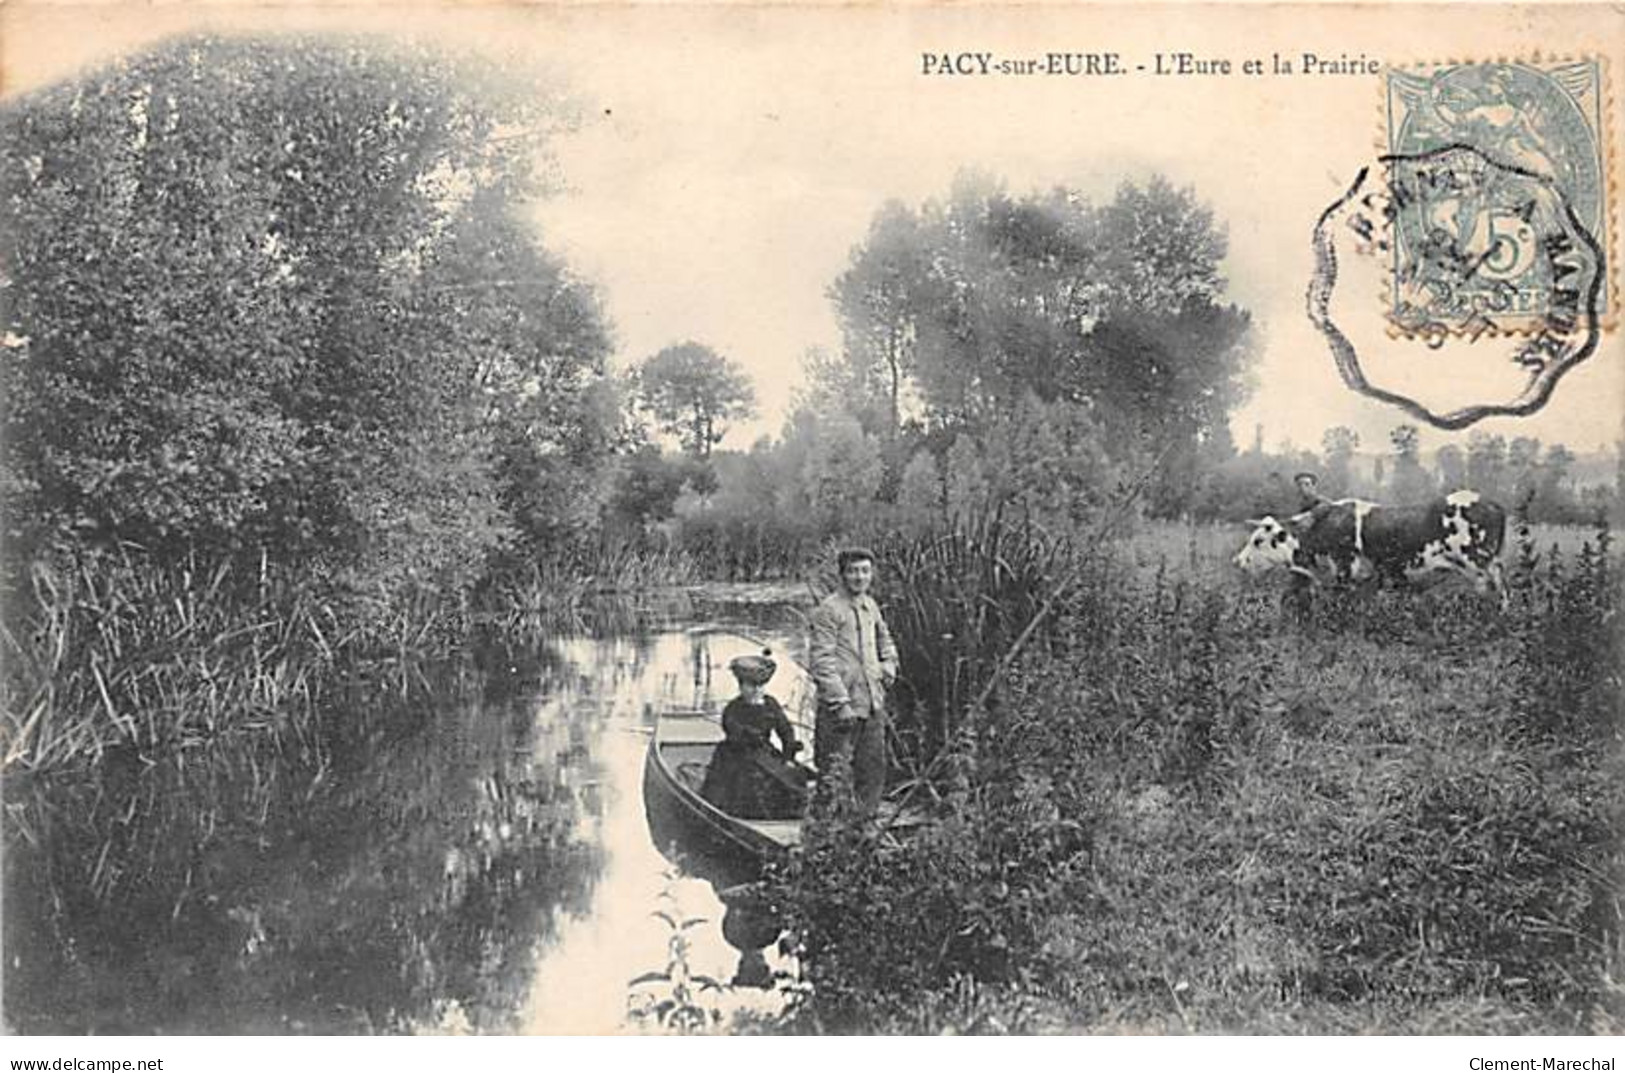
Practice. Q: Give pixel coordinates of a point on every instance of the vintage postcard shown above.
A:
(644, 519)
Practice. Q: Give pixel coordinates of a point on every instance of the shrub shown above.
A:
(1566, 669)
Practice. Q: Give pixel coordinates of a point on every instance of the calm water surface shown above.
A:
(487, 867)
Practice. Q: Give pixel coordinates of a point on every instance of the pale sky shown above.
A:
(737, 156)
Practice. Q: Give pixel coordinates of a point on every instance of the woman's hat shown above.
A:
(754, 670)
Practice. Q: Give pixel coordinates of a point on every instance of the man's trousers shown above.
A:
(859, 746)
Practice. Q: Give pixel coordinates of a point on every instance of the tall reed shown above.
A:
(958, 601)
(605, 586)
(117, 650)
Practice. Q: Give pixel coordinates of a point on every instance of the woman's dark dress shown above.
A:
(749, 778)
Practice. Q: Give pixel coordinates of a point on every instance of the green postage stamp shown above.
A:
(1532, 122)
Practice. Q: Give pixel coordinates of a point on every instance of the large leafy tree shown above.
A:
(1487, 464)
(1409, 482)
(272, 292)
(1452, 466)
(1619, 476)
(1523, 470)
(985, 299)
(840, 472)
(1555, 490)
(1337, 446)
(694, 393)
(879, 297)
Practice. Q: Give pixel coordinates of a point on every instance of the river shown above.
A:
(485, 867)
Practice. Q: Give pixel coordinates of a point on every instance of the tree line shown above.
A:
(1538, 481)
(1038, 355)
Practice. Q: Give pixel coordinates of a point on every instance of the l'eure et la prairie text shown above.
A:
(974, 64)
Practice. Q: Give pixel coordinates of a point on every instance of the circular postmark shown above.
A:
(1459, 239)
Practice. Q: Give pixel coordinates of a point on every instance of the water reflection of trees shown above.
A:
(390, 875)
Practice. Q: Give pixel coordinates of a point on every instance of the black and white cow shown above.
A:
(1462, 533)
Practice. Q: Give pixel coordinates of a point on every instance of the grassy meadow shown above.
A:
(1182, 810)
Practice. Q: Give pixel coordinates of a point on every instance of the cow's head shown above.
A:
(1271, 545)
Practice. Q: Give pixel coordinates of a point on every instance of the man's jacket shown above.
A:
(852, 654)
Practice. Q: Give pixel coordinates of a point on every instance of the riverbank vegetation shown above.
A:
(1179, 812)
(290, 385)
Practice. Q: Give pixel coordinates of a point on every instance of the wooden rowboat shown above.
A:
(711, 842)
(689, 830)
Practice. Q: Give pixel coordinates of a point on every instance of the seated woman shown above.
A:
(747, 776)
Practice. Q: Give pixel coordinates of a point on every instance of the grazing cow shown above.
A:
(1461, 532)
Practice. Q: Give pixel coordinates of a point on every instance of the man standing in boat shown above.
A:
(853, 662)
